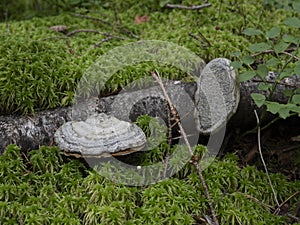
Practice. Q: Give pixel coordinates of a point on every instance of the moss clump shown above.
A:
(46, 188)
(43, 67)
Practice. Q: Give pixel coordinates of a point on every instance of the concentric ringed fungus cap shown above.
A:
(99, 136)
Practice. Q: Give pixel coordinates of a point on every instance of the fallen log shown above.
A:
(31, 131)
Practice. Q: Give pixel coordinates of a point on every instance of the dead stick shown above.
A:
(193, 7)
(91, 18)
(262, 158)
(194, 160)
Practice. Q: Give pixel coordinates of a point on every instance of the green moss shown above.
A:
(65, 191)
(44, 67)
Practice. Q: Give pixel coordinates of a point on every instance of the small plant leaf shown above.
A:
(281, 46)
(290, 39)
(296, 6)
(252, 31)
(259, 47)
(262, 71)
(286, 73)
(292, 22)
(246, 76)
(284, 112)
(247, 59)
(273, 107)
(273, 62)
(259, 99)
(288, 92)
(273, 32)
(236, 65)
(264, 87)
(296, 99)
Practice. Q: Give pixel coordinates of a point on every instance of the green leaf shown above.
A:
(236, 65)
(262, 71)
(259, 47)
(273, 107)
(259, 99)
(290, 39)
(273, 62)
(288, 92)
(284, 112)
(296, 99)
(286, 73)
(281, 46)
(297, 68)
(273, 32)
(292, 22)
(252, 31)
(163, 3)
(264, 87)
(246, 76)
(296, 6)
(247, 59)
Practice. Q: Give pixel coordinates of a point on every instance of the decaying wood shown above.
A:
(29, 132)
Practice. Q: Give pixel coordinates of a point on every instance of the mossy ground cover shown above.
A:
(47, 188)
(40, 68)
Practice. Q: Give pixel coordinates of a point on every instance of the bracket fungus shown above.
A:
(217, 96)
(100, 135)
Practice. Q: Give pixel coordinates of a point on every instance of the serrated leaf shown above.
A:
(292, 22)
(236, 65)
(273, 62)
(273, 107)
(297, 68)
(281, 46)
(264, 87)
(252, 31)
(259, 47)
(247, 59)
(259, 99)
(262, 71)
(296, 99)
(246, 76)
(273, 32)
(290, 39)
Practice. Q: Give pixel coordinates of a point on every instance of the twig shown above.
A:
(198, 39)
(86, 31)
(193, 7)
(102, 41)
(262, 158)
(194, 160)
(91, 18)
(284, 52)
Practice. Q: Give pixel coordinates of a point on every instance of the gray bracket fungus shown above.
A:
(217, 96)
(100, 135)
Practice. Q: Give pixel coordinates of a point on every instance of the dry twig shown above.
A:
(194, 160)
